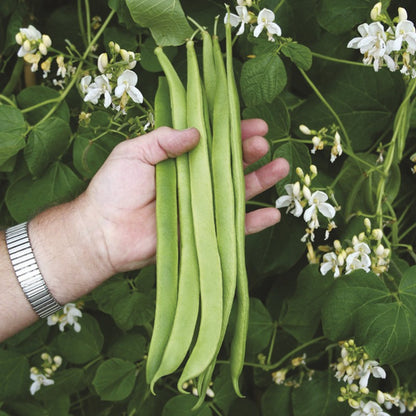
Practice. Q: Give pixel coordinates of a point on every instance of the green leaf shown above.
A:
(66, 381)
(182, 405)
(149, 60)
(298, 155)
(125, 38)
(224, 390)
(342, 15)
(89, 154)
(407, 289)
(243, 407)
(25, 408)
(165, 19)
(274, 114)
(130, 347)
(35, 96)
(81, 347)
(12, 127)
(262, 79)
(260, 326)
(276, 397)
(135, 309)
(14, 369)
(312, 290)
(10, 145)
(319, 397)
(299, 54)
(365, 101)
(26, 196)
(348, 296)
(114, 379)
(387, 331)
(268, 253)
(110, 292)
(46, 142)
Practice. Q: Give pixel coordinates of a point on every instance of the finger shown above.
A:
(265, 177)
(253, 127)
(261, 219)
(161, 144)
(254, 148)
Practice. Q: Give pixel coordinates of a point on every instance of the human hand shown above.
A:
(121, 196)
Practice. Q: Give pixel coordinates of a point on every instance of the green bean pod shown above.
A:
(166, 252)
(188, 291)
(208, 71)
(238, 345)
(224, 201)
(205, 237)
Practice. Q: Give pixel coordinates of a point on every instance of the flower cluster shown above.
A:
(67, 316)
(115, 75)
(354, 365)
(380, 46)
(42, 376)
(302, 199)
(191, 385)
(264, 21)
(293, 374)
(34, 45)
(365, 252)
(321, 138)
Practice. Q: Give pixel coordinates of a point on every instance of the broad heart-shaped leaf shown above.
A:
(45, 143)
(387, 331)
(14, 368)
(303, 310)
(276, 249)
(114, 379)
(274, 114)
(134, 309)
(276, 397)
(130, 347)
(348, 296)
(110, 292)
(182, 405)
(260, 327)
(90, 154)
(165, 19)
(26, 196)
(66, 381)
(34, 96)
(83, 346)
(12, 128)
(407, 289)
(319, 397)
(342, 15)
(10, 144)
(364, 100)
(262, 79)
(298, 155)
(299, 54)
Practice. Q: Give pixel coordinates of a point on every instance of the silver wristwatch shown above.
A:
(27, 271)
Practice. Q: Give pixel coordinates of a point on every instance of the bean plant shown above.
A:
(332, 287)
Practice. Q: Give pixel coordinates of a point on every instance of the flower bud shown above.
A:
(380, 397)
(354, 388)
(46, 40)
(337, 138)
(364, 390)
(19, 38)
(43, 49)
(132, 64)
(379, 250)
(361, 236)
(299, 172)
(353, 403)
(305, 130)
(377, 234)
(402, 14)
(26, 45)
(116, 48)
(314, 170)
(307, 180)
(48, 371)
(45, 357)
(296, 188)
(376, 11)
(102, 62)
(367, 224)
(124, 55)
(57, 360)
(306, 192)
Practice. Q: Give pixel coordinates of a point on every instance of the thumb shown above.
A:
(164, 143)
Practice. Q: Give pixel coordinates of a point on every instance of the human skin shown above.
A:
(111, 227)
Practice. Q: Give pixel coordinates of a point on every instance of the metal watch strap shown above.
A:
(27, 271)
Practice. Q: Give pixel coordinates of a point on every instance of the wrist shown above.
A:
(69, 250)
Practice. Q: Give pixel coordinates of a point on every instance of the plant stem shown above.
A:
(14, 78)
(280, 4)
(81, 23)
(337, 60)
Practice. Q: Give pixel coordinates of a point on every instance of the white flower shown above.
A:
(318, 144)
(126, 83)
(372, 44)
(336, 148)
(85, 82)
(241, 18)
(404, 32)
(39, 380)
(355, 261)
(317, 202)
(330, 262)
(30, 36)
(100, 86)
(265, 20)
(291, 200)
(369, 408)
(102, 62)
(68, 316)
(370, 367)
(61, 66)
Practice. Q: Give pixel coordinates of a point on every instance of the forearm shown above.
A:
(69, 252)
